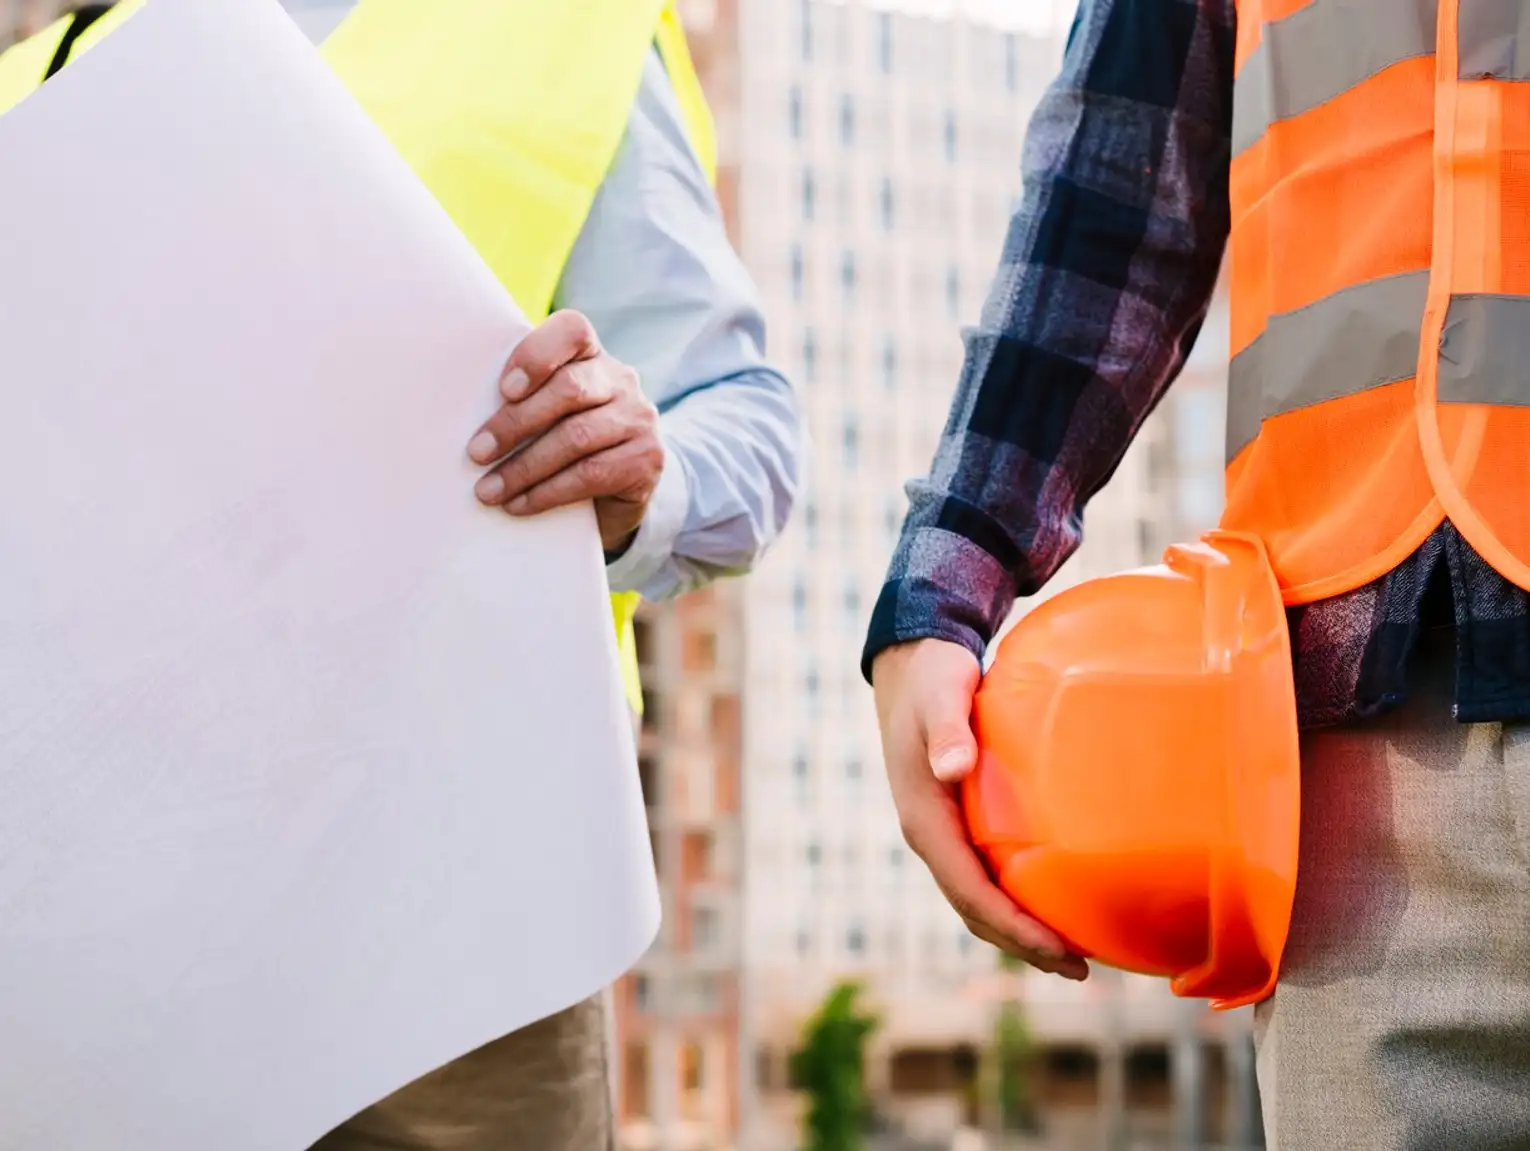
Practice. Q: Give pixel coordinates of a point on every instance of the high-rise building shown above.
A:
(879, 163)
(679, 1052)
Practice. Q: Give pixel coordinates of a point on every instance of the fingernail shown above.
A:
(489, 488)
(518, 505)
(483, 447)
(515, 383)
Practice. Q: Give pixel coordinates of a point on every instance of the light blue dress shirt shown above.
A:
(655, 273)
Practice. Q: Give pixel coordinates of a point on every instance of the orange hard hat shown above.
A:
(1138, 784)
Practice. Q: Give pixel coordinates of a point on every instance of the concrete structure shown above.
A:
(880, 157)
(679, 1051)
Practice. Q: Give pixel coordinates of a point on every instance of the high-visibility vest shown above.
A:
(509, 111)
(1380, 276)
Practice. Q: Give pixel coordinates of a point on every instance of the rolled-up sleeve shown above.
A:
(655, 273)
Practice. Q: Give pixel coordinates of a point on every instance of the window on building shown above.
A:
(1011, 62)
(885, 42)
(1149, 1074)
(706, 996)
(635, 1079)
(799, 272)
(852, 606)
(809, 355)
(847, 120)
(889, 364)
(847, 275)
(812, 687)
(810, 523)
(642, 992)
(765, 1064)
(950, 137)
(700, 847)
(692, 1066)
(698, 649)
(814, 854)
(800, 765)
(809, 195)
(888, 204)
(648, 780)
(953, 291)
(794, 113)
(895, 855)
(964, 942)
(703, 928)
(855, 940)
(804, 942)
(853, 770)
(642, 638)
(892, 521)
(800, 604)
(851, 440)
(805, 20)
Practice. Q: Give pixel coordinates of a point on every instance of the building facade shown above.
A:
(680, 1054)
(879, 164)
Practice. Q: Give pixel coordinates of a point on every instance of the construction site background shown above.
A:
(869, 161)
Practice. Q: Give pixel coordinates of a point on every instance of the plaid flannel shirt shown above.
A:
(1108, 270)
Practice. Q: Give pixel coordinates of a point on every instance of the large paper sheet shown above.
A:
(314, 775)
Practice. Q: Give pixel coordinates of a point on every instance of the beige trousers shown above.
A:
(1402, 1019)
(547, 1087)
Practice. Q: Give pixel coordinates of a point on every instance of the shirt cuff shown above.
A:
(654, 545)
(941, 586)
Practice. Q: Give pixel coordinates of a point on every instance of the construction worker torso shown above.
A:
(1380, 271)
(509, 111)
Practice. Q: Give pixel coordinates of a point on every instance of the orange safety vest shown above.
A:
(1380, 274)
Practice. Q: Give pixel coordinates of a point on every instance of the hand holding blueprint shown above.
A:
(314, 774)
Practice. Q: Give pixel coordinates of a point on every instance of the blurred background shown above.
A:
(869, 162)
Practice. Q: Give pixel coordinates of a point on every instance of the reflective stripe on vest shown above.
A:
(506, 110)
(1380, 270)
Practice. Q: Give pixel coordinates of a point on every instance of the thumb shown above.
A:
(949, 740)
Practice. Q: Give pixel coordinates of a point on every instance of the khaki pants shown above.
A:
(1402, 1019)
(544, 1088)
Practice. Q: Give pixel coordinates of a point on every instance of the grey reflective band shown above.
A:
(1323, 51)
(1494, 39)
(1485, 351)
(1358, 338)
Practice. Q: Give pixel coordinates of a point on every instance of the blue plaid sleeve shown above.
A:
(1108, 269)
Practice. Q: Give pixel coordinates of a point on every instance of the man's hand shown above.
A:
(924, 696)
(575, 426)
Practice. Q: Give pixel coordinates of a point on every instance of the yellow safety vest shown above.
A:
(509, 111)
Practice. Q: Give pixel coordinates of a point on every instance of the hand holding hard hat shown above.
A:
(1137, 783)
(924, 696)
